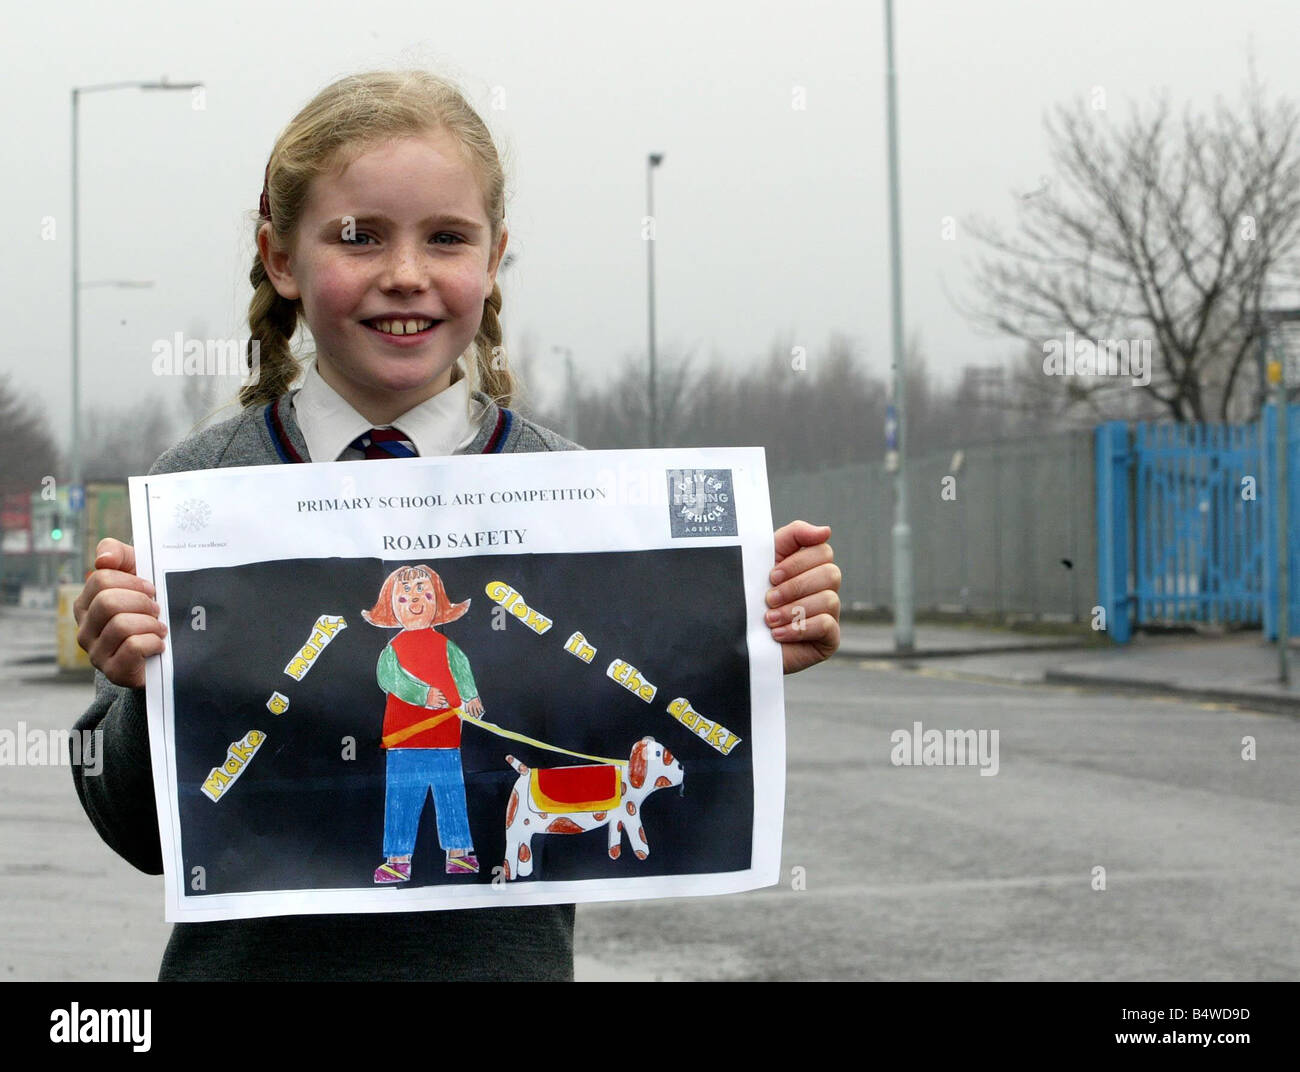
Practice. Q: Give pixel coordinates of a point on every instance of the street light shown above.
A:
(903, 587)
(653, 160)
(77, 91)
(571, 389)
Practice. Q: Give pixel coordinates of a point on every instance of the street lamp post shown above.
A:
(903, 588)
(653, 160)
(74, 461)
(571, 386)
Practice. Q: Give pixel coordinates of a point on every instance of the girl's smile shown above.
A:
(407, 338)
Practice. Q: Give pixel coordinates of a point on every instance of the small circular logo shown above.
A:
(193, 514)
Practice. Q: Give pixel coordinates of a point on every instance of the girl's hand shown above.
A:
(436, 699)
(117, 618)
(474, 708)
(804, 600)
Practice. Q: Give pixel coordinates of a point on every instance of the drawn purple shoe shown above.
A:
(388, 873)
(462, 865)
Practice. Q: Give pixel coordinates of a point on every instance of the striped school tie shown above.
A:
(384, 443)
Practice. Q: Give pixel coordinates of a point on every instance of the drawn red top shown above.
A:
(423, 654)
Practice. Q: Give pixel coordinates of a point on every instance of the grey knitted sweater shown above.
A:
(468, 944)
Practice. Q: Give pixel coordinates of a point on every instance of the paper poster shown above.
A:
(460, 682)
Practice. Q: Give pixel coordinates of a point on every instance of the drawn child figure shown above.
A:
(429, 685)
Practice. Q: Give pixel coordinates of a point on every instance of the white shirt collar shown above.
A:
(437, 426)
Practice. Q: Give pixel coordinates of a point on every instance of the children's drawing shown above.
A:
(630, 678)
(502, 594)
(577, 645)
(238, 756)
(571, 800)
(715, 734)
(609, 653)
(429, 686)
(325, 629)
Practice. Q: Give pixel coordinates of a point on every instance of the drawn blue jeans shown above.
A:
(412, 772)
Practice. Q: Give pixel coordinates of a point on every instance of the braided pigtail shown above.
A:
(491, 367)
(272, 321)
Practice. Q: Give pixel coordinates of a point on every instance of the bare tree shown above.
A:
(618, 415)
(28, 448)
(1172, 233)
(810, 407)
(117, 443)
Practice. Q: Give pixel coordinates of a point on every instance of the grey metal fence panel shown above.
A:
(1021, 507)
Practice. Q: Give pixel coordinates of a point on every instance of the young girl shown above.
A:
(382, 225)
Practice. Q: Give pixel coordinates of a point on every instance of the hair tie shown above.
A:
(264, 206)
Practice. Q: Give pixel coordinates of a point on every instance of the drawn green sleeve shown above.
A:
(461, 673)
(394, 678)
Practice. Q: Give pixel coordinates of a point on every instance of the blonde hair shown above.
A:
(340, 123)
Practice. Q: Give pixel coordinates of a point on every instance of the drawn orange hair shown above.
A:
(383, 615)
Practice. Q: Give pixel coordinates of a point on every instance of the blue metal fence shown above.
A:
(1186, 523)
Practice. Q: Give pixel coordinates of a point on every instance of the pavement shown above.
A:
(1236, 668)
(876, 641)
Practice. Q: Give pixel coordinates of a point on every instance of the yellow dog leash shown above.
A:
(394, 739)
(500, 732)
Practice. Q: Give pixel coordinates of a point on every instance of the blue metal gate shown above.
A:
(1292, 536)
(1182, 511)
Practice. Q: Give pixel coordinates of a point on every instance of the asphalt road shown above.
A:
(929, 872)
(944, 873)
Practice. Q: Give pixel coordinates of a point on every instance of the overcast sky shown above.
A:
(772, 221)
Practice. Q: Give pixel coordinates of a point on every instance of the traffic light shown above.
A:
(56, 528)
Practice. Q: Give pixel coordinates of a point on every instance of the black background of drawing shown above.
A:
(302, 817)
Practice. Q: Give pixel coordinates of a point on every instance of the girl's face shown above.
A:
(414, 602)
(420, 248)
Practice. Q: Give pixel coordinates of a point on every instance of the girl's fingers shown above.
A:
(822, 635)
(815, 628)
(803, 559)
(789, 538)
(819, 578)
(106, 580)
(105, 608)
(115, 555)
(793, 616)
(126, 666)
(120, 629)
